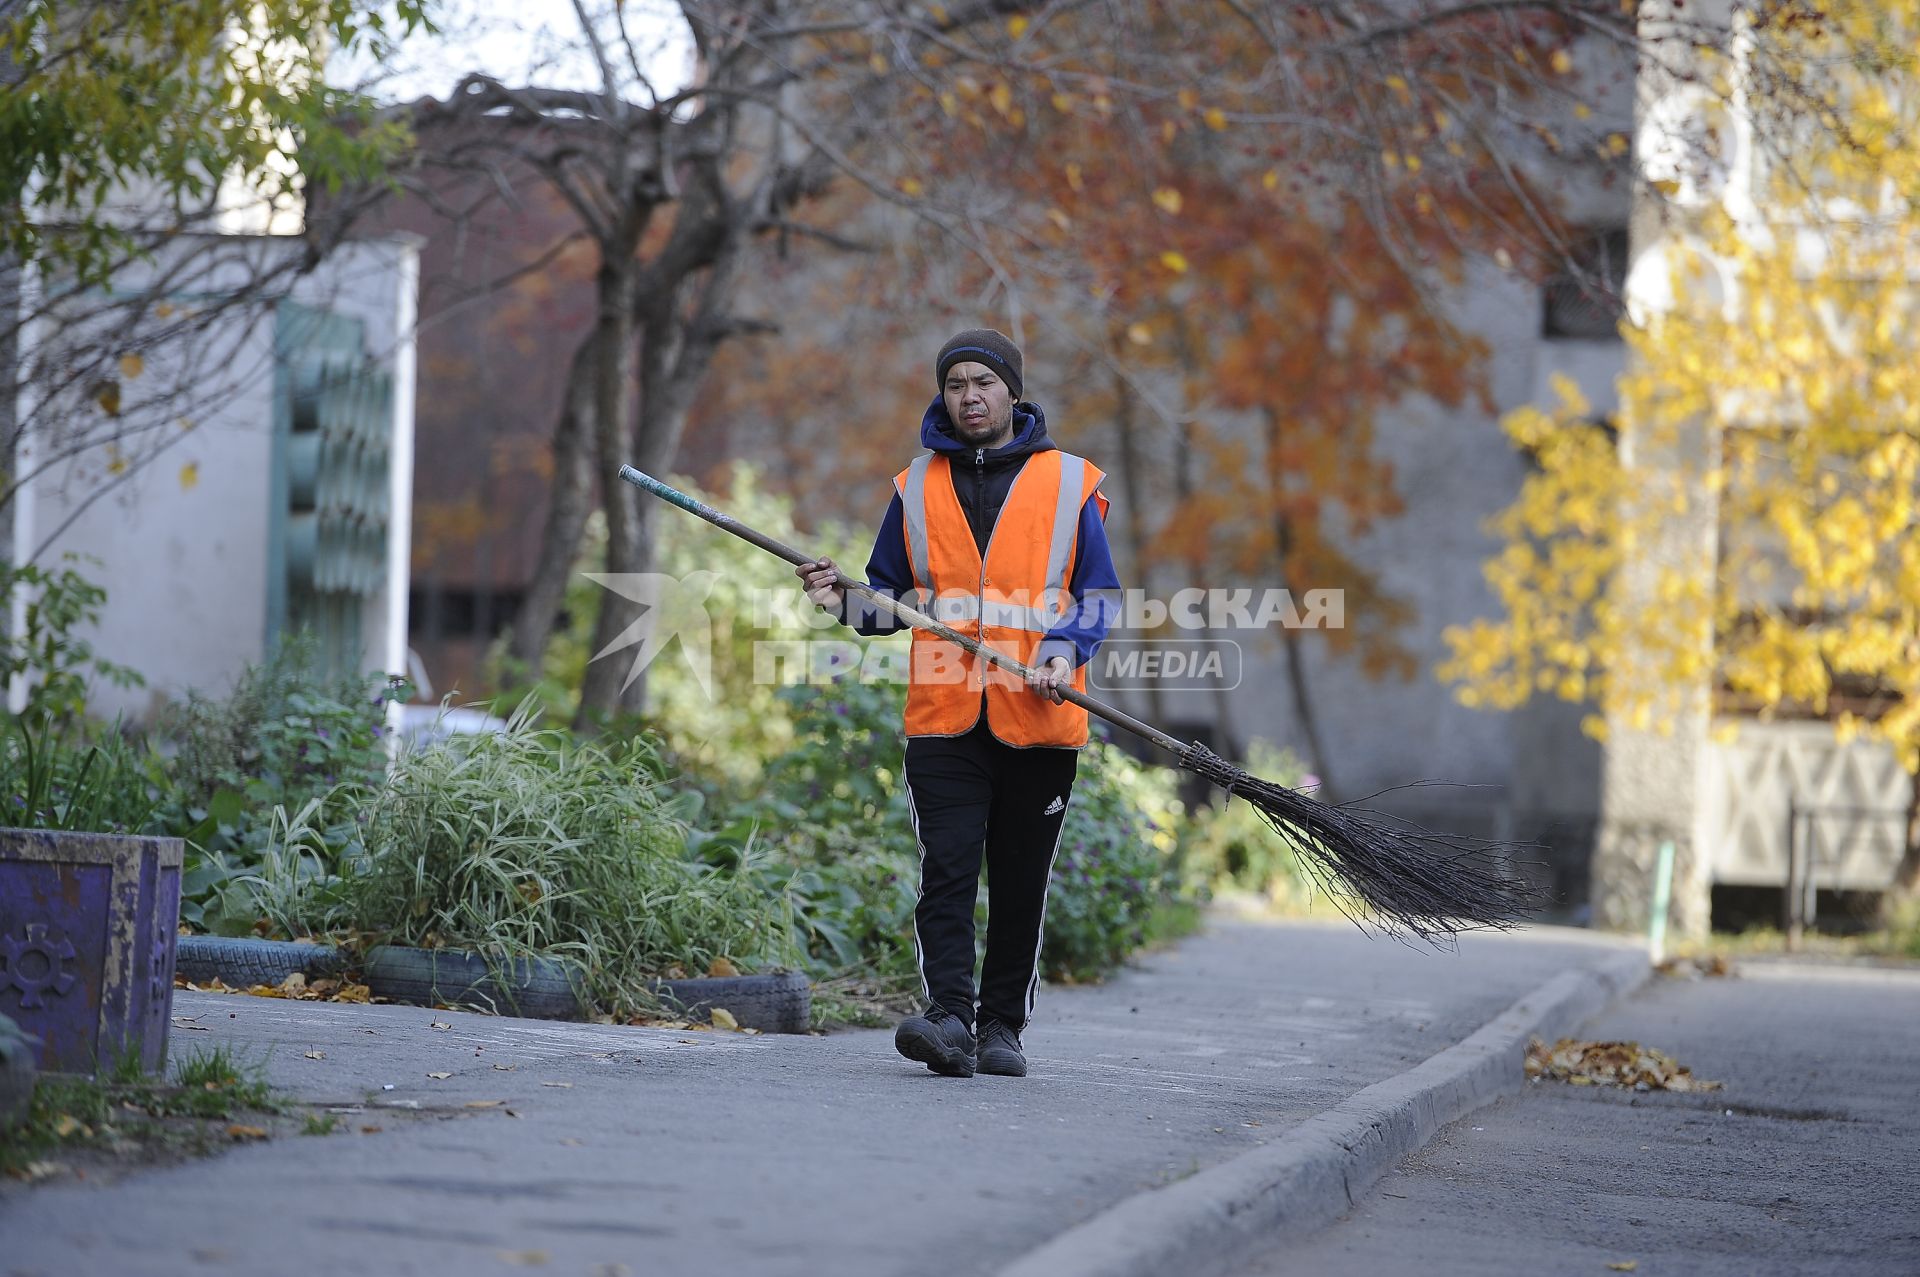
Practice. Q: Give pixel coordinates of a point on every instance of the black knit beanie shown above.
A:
(982, 346)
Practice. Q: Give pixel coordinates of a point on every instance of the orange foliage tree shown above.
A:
(1232, 227)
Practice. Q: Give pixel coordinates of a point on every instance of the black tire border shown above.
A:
(242, 962)
(778, 1002)
(538, 988)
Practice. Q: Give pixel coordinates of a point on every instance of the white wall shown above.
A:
(182, 539)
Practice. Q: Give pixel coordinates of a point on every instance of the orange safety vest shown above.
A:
(1009, 601)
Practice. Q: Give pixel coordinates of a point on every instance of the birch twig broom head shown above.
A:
(1380, 870)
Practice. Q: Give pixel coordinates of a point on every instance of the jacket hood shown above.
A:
(1029, 431)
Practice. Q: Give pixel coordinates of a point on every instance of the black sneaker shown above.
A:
(1000, 1052)
(939, 1039)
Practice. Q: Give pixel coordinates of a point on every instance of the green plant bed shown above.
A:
(290, 738)
(529, 843)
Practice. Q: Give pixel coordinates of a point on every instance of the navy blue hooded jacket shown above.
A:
(981, 479)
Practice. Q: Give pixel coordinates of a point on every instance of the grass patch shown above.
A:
(319, 1124)
(863, 1001)
(528, 841)
(213, 1081)
(124, 1117)
(1171, 920)
(1898, 940)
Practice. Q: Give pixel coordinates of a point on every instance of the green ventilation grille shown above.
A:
(333, 435)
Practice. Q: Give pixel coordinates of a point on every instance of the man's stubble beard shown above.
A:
(997, 433)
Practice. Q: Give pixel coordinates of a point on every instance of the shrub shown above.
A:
(530, 842)
(1115, 868)
(831, 813)
(729, 731)
(290, 739)
(94, 780)
(54, 661)
(1228, 847)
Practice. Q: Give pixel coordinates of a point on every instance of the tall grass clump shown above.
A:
(527, 842)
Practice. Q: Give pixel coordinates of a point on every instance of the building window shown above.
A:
(1583, 299)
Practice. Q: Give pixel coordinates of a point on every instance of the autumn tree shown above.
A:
(1774, 380)
(1419, 136)
(1234, 229)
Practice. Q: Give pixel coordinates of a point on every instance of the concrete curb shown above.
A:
(1313, 1174)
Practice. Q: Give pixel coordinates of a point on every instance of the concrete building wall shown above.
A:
(1506, 772)
(181, 537)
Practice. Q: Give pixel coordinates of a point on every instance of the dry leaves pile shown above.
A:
(331, 989)
(296, 986)
(1713, 967)
(1622, 1064)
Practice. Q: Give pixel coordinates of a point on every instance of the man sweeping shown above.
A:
(1003, 535)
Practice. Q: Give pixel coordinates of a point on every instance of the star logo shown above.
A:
(670, 606)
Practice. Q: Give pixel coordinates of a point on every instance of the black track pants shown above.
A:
(971, 794)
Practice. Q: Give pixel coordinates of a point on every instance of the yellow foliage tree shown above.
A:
(1783, 385)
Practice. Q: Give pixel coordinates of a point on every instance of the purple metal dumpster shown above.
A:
(87, 924)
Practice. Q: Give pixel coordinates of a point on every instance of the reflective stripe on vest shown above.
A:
(913, 500)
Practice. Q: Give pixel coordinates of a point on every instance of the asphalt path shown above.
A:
(616, 1149)
(1808, 1162)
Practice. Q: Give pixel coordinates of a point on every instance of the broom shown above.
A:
(1377, 869)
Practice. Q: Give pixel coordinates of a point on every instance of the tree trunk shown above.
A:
(1290, 640)
(676, 347)
(1136, 512)
(568, 506)
(601, 692)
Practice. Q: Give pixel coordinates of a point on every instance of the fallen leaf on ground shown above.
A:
(369, 1130)
(316, 1055)
(240, 1132)
(522, 1258)
(66, 1124)
(1713, 967)
(1625, 1265)
(721, 968)
(1623, 1064)
(295, 984)
(484, 1104)
(35, 1171)
(440, 1076)
(265, 991)
(723, 1019)
(354, 993)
